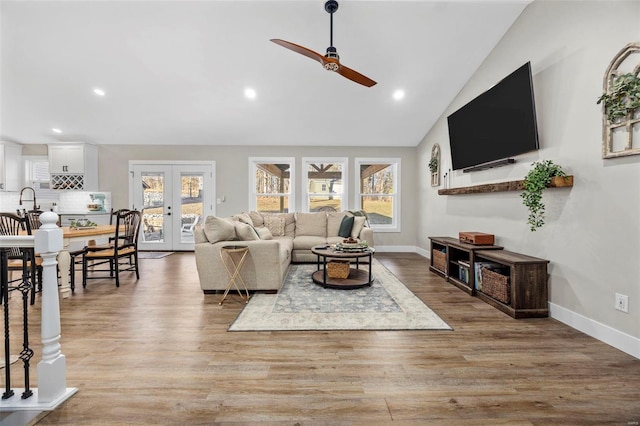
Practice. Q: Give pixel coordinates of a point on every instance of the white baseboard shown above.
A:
(604, 333)
(609, 335)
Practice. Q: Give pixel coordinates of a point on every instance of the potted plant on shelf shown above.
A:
(623, 99)
(535, 182)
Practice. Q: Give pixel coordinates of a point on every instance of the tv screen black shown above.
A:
(499, 123)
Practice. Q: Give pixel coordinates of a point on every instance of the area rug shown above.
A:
(302, 305)
(153, 254)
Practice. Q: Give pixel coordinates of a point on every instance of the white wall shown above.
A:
(232, 172)
(592, 235)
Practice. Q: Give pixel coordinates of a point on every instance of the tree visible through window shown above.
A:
(272, 185)
(325, 184)
(378, 192)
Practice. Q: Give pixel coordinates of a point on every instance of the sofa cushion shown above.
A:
(219, 229)
(311, 224)
(346, 226)
(289, 224)
(334, 219)
(305, 242)
(358, 224)
(246, 232)
(264, 233)
(275, 223)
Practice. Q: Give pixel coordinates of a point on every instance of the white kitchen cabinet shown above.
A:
(10, 166)
(73, 166)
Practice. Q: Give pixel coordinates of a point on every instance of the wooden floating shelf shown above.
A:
(514, 185)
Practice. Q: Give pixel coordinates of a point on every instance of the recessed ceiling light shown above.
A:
(249, 93)
(98, 91)
(54, 130)
(398, 94)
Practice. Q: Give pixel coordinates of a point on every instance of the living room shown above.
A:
(591, 235)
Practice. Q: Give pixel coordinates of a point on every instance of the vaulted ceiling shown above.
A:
(175, 72)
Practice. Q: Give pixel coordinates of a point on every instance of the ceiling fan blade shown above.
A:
(355, 76)
(300, 49)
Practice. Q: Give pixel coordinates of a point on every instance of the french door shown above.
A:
(175, 197)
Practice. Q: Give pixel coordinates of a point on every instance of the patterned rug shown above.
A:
(303, 305)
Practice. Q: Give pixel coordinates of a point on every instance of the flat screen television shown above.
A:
(498, 124)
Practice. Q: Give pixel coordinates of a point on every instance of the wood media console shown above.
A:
(525, 277)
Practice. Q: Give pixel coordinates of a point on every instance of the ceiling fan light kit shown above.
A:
(330, 61)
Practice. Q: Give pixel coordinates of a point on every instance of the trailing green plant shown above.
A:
(534, 183)
(624, 97)
(433, 164)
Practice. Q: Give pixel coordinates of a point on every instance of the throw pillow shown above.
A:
(358, 224)
(275, 224)
(334, 220)
(244, 218)
(311, 224)
(256, 219)
(246, 232)
(346, 226)
(361, 213)
(219, 229)
(264, 233)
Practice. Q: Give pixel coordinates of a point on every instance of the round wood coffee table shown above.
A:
(357, 277)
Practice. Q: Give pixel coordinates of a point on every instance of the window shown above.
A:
(326, 184)
(378, 192)
(36, 170)
(271, 183)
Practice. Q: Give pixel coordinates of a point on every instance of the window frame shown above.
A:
(306, 161)
(395, 163)
(253, 167)
(42, 187)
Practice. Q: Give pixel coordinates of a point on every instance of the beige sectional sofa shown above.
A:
(275, 240)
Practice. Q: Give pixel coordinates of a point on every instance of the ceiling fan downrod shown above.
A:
(331, 6)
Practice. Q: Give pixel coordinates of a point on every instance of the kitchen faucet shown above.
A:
(35, 206)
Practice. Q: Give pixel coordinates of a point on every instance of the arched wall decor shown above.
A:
(434, 165)
(621, 137)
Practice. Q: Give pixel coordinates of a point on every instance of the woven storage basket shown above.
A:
(439, 260)
(496, 285)
(338, 269)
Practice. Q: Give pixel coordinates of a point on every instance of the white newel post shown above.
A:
(52, 375)
(52, 380)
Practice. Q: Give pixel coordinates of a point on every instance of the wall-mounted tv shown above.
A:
(498, 124)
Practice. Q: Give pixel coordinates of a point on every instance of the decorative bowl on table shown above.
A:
(350, 243)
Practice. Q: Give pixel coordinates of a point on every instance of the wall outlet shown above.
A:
(622, 302)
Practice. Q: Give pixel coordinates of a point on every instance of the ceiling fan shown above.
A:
(330, 61)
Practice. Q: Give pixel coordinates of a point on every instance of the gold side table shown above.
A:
(233, 269)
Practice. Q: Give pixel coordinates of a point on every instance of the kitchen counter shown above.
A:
(86, 212)
(99, 217)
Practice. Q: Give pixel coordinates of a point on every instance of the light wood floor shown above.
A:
(156, 351)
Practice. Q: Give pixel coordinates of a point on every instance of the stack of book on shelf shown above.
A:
(463, 271)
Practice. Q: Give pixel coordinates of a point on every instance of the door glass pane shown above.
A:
(153, 198)
(192, 207)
